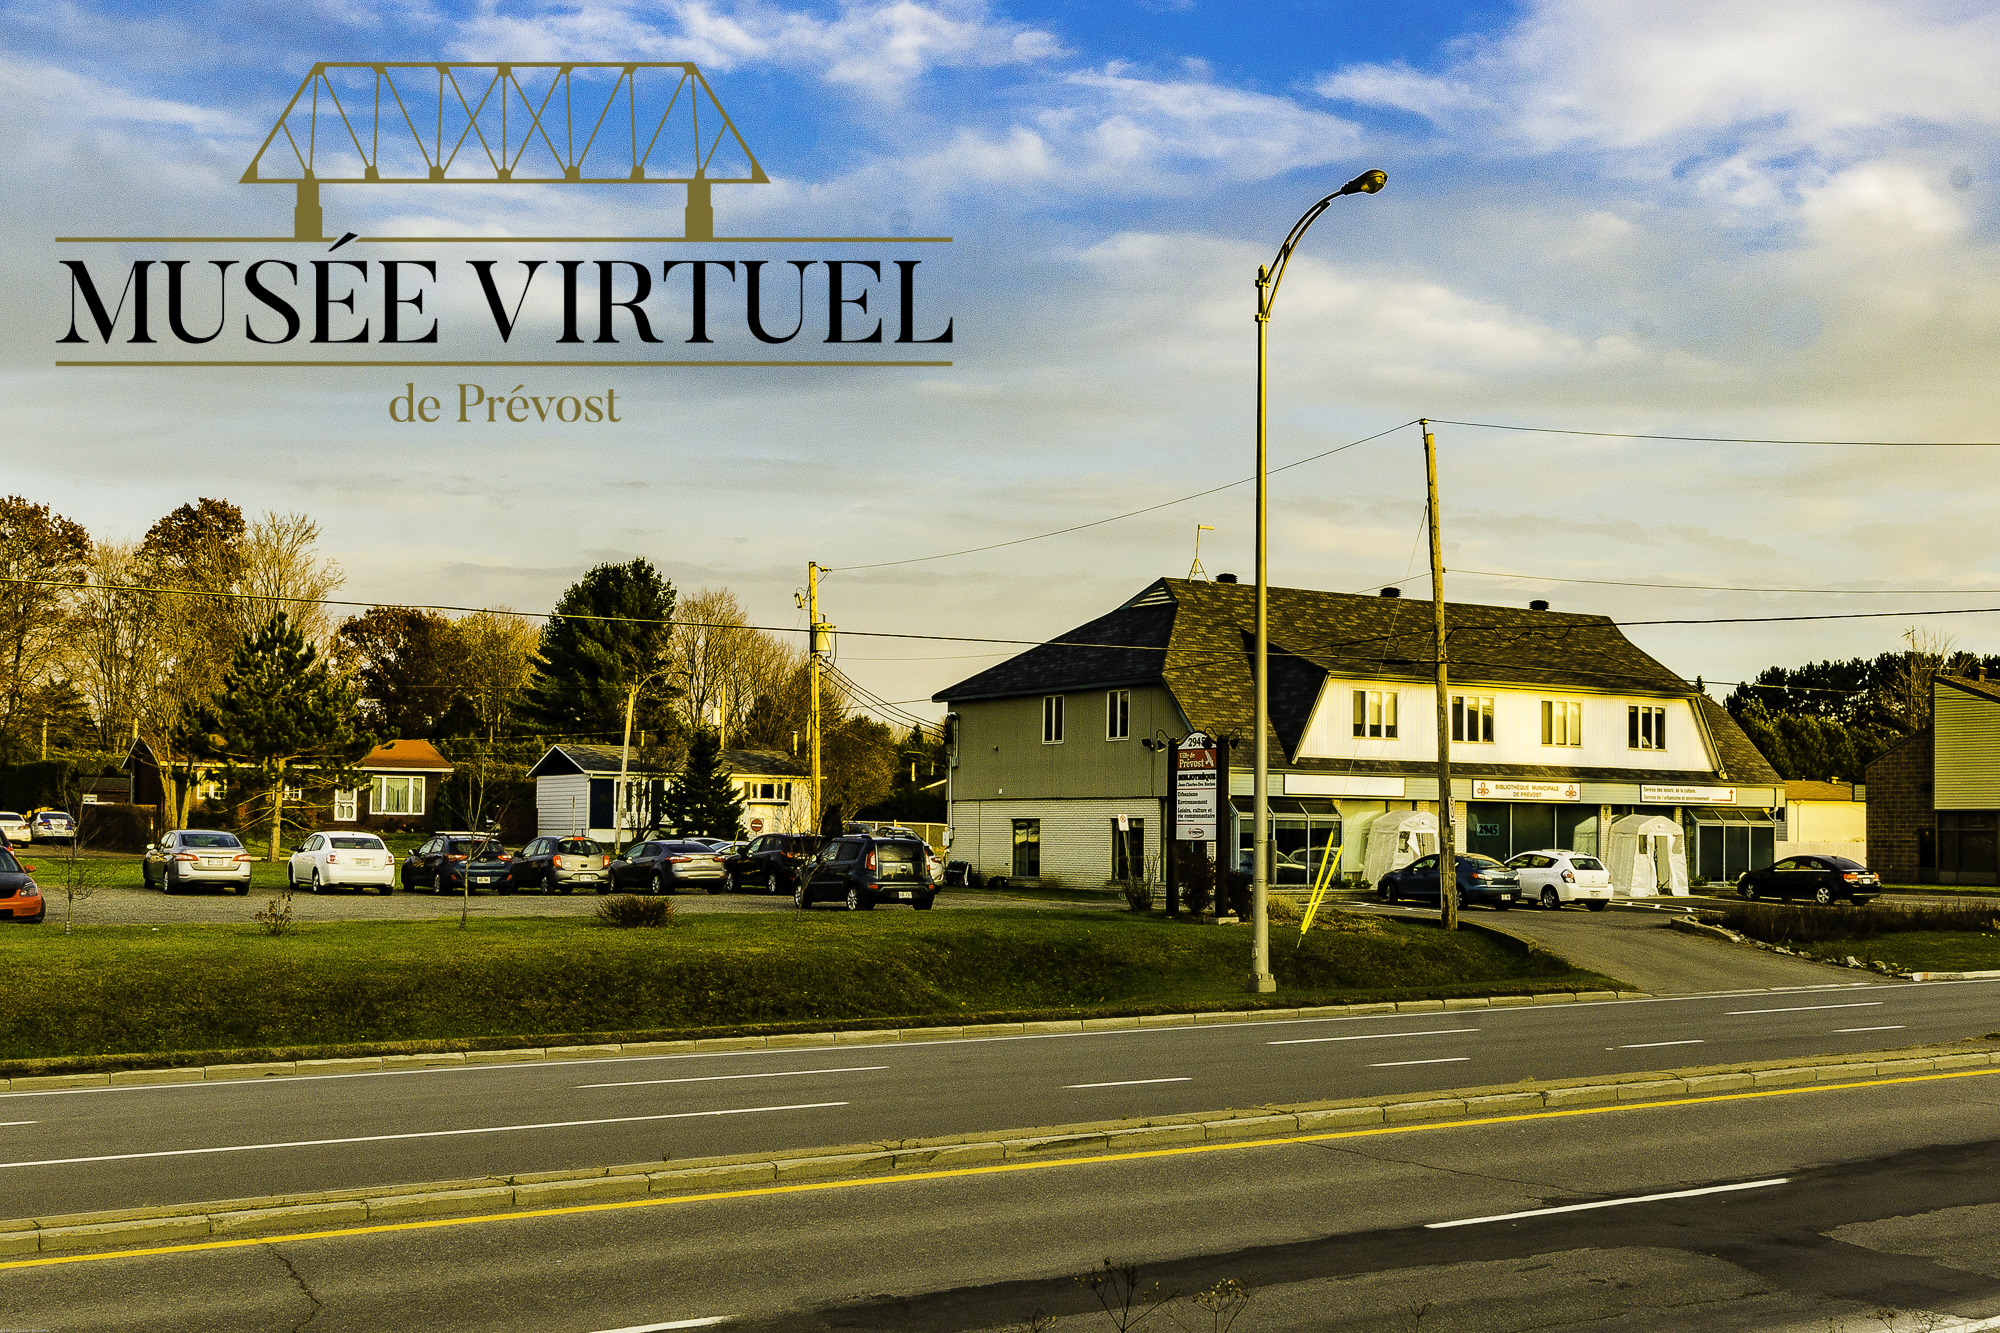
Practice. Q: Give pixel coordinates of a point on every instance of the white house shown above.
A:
(577, 790)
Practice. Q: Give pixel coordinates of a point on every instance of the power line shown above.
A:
(1726, 439)
(1098, 523)
(1718, 587)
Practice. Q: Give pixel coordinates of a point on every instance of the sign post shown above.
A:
(1197, 796)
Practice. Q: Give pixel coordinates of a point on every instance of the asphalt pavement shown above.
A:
(88, 1149)
(1834, 1211)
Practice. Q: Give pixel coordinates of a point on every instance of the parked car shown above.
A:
(1823, 879)
(667, 867)
(862, 870)
(52, 826)
(20, 897)
(1555, 877)
(191, 858)
(1481, 880)
(561, 865)
(342, 860)
(772, 862)
(438, 864)
(13, 828)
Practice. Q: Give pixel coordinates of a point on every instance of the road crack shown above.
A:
(1352, 1151)
(307, 1291)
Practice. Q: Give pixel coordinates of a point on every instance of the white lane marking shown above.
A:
(1608, 1203)
(1893, 1027)
(1648, 1045)
(722, 1078)
(420, 1134)
(1448, 1060)
(1128, 1083)
(1806, 1008)
(710, 1322)
(1370, 1036)
(9, 1124)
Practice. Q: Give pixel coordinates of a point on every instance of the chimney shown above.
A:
(1225, 578)
(1538, 605)
(1392, 592)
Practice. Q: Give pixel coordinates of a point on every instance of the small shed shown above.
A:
(1398, 838)
(1647, 857)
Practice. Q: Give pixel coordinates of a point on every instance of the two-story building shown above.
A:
(1934, 797)
(1558, 725)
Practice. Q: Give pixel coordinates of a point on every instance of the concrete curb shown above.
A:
(335, 1209)
(776, 1041)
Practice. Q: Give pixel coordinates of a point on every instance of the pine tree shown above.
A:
(607, 630)
(279, 709)
(702, 800)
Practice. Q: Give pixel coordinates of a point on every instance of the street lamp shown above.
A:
(1261, 980)
(620, 796)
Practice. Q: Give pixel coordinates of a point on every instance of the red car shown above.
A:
(20, 897)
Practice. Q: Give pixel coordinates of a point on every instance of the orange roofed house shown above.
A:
(400, 791)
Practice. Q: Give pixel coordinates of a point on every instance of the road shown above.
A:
(1858, 1201)
(127, 1146)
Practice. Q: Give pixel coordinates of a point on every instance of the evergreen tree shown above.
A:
(279, 709)
(607, 631)
(702, 801)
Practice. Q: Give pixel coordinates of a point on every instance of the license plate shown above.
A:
(905, 894)
(212, 864)
(584, 875)
(482, 879)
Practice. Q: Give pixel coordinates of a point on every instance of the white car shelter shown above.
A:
(1397, 838)
(1648, 857)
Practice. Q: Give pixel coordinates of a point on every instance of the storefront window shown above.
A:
(1028, 848)
(1128, 850)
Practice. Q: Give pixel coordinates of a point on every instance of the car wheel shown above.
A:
(243, 889)
(1460, 895)
(799, 899)
(506, 889)
(388, 888)
(1551, 899)
(728, 881)
(146, 874)
(315, 880)
(168, 884)
(603, 889)
(1823, 896)
(925, 903)
(1746, 890)
(853, 899)
(1597, 905)
(1503, 904)
(659, 885)
(724, 886)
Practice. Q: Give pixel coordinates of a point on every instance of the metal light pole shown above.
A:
(1261, 980)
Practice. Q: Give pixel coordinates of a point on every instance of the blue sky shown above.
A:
(1773, 220)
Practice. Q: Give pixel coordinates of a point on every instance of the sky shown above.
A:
(1773, 221)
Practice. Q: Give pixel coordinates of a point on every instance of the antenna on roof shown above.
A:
(1195, 571)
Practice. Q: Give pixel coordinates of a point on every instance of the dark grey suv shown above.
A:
(859, 871)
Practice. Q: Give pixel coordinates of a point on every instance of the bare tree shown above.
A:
(282, 571)
(711, 646)
(1903, 701)
(499, 647)
(110, 651)
(40, 550)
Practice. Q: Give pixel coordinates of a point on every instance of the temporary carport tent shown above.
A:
(1647, 857)
(1398, 838)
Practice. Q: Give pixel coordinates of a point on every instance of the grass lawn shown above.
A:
(216, 988)
(1918, 951)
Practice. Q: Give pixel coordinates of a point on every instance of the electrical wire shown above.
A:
(1721, 587)
(1723, 439)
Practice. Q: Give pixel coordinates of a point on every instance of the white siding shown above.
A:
(562, 804)
(1517, 730)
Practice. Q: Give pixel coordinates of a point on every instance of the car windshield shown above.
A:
(1479, 860)
(10, 817)
(578, 847)
(358, 844)
(1586, 863)
(209, 840)
(8, 865)
(468, 848)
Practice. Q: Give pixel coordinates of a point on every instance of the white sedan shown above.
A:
(14, 828)
(1555, 877)
(345, 860)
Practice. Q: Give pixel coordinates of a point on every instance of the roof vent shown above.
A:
(1392, 592)
(1225, 578)
(1538, 605)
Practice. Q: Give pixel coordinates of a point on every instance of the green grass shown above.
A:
(1918, 951)
(135, 989)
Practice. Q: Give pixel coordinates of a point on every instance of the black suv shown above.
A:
(772, 862)
(444, 863)
(859, 871)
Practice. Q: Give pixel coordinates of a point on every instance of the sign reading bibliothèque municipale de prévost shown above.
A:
(1197, 788)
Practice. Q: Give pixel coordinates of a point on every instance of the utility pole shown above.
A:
(819, 630)
(1447, 836)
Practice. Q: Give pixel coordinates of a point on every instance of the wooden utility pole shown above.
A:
(1447, 835)
(818, 632)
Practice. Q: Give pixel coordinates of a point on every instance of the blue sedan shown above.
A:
(1481, 879)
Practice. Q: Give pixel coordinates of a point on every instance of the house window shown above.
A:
(1128, 849)
(344, 805)
(1645, 727)
(1052, 720)
(1472, 718)
(1562, 722)
(1118, 715)
(295, 793)
(1375, 713)
(398, 796)
(1028, 848)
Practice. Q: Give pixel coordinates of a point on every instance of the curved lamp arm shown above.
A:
(1368, 182)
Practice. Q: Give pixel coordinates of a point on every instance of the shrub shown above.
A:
(1814, 925)
(630, 912)
(1282, 907)
(1196, 876)
(1138, 894)
(276, 916)
(1236, 884)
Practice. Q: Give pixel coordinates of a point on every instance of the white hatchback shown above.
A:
(1555, 877)
(14, 827)
(344, 860)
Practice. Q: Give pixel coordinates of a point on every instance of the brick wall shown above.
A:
(1899, 805)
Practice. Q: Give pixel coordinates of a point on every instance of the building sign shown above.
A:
(1197, 788)
(1493, 789)
(1341, 784)
(1687, 795)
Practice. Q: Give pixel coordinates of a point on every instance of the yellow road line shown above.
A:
(996, 1169)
